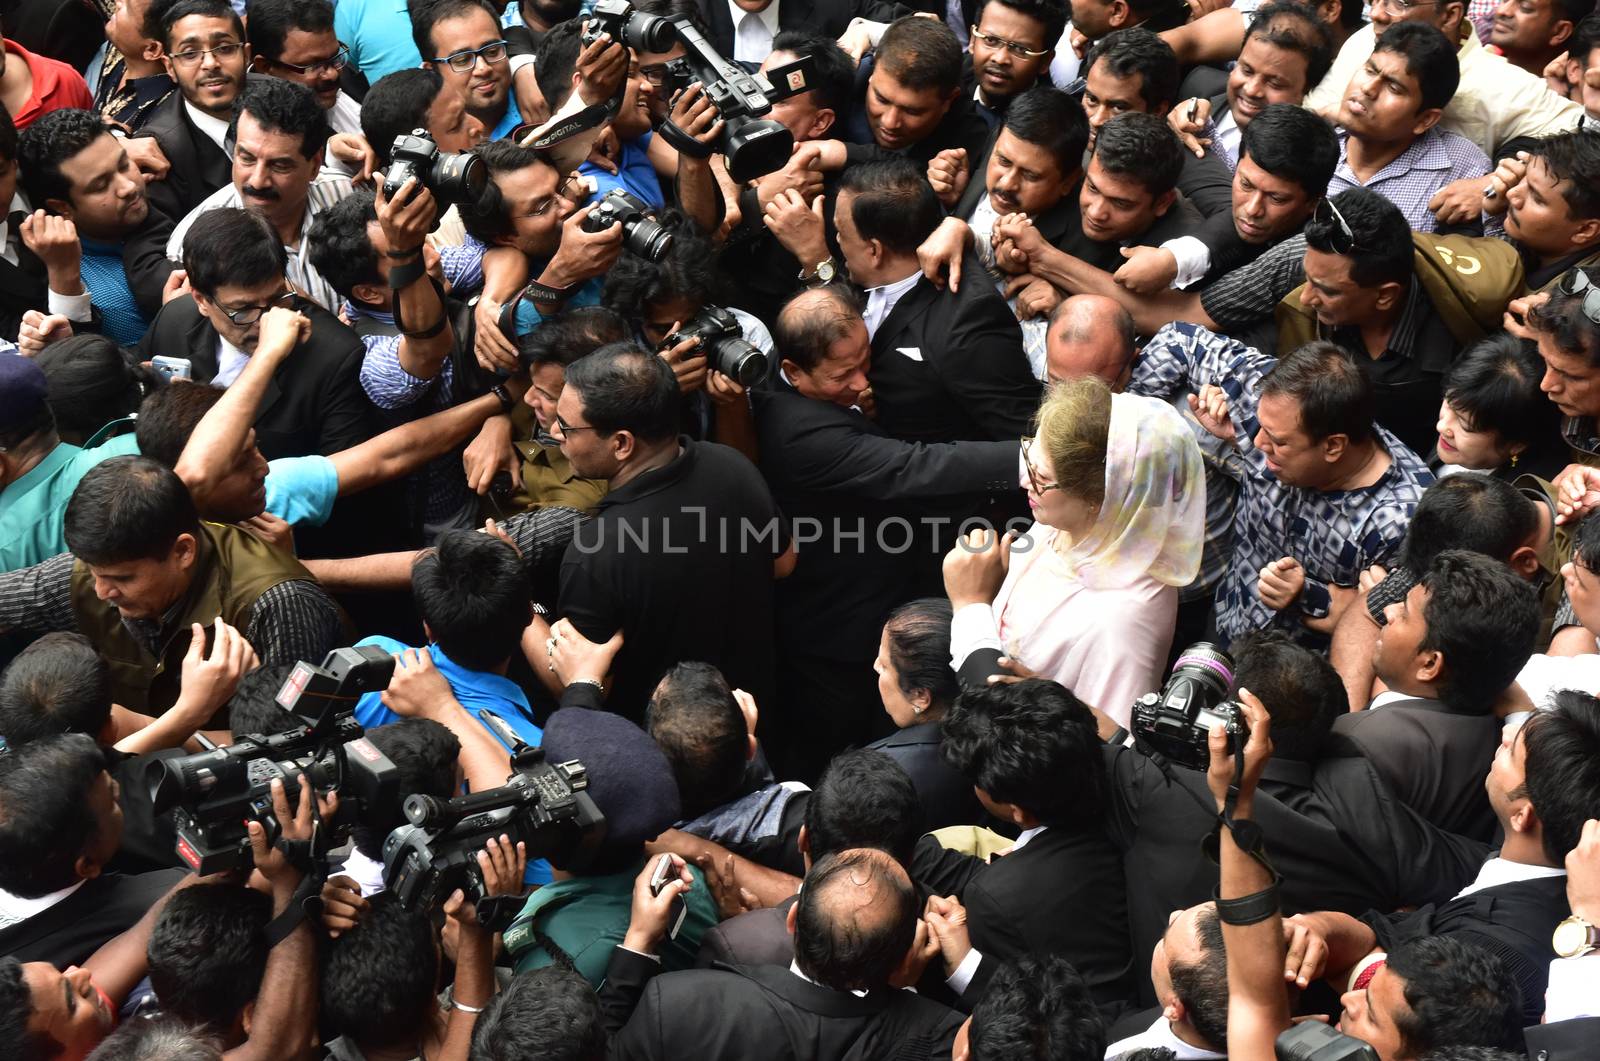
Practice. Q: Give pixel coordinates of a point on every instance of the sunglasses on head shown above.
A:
(1577, 283)
(1342, 238)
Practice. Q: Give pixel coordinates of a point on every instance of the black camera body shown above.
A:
(724, 344)
(642, 234)
(1312, 1040)
(213, 793)
(543, 805)
(457, 178)
(1177, 721)
(633, 29)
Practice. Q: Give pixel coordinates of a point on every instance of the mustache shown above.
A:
(269, 194)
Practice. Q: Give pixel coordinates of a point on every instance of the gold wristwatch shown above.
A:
(1575, 937)
(821, 273)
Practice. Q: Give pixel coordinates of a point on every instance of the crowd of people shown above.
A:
(800, 530)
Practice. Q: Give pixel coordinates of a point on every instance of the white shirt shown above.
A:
(1389, 696)
(794, 967)
(9, 240)
(882, 300)
(367, 874)
(1574, 989)
(1227, 135)
(230, 362)
(15, 909)
(753, 32)
(345, 115)
(216, 129)
(1157, 1035)
(1498, 871)
(958, 980)
(1544, 676)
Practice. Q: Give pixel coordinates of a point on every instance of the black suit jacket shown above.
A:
(826, 17)
(1063, 892)
(945, 794)
(965, 375)
(762, 1013)
(755, 937)
(71, 930)
(1567, 1040)
(1433, 758)
(22, 287)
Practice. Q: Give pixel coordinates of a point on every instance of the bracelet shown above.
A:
(400, 255)
(1248, 909)
(507, 402)
(463, 1007)
(597, 683)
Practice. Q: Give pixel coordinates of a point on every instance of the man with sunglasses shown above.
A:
(462, 40)
(294, 40)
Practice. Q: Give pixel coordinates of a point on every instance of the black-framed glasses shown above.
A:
(467, 58)
(250, 314)
(572, 189)
(565, 429)
(1019, 50)
(1344, 240)
(192, 56)
(1576, 283)
(1033, 476)
(332, 65)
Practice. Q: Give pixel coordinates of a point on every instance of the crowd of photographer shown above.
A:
(799, 529)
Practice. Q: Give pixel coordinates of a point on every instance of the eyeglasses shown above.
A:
(572, 189)
(1013, 47)
(462, 61)
(1033, 476)
(1577, 283)
(561, 426)
(192, 56)
(1326, 213)
(1402, 6)
(338, 62)
(251, 314)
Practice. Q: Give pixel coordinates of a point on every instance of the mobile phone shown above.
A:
(173, 367)
(660, 877)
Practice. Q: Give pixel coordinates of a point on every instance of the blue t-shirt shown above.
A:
(301, 490)
(378, 34)
(634, 174)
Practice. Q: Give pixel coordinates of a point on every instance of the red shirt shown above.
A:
(55, 85)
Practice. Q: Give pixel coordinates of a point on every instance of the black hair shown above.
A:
(1202, 985)
(1382, 250)
(1036, 1008)
(1334, 395)
(574, 333)
(556, 59)
(1463, 1052)
(1484, 619)
(803, 335)
(58, 684)
(1032, 744)
(1300, 689)
(486, 220)
(169, 416)
(833, 72)
(205, 9)
(397, 104)
(1562, 317)
(921, 53)
(1471, 511)
(863, 799)
(1456, 992)
(1051, 119)
(1136, 51)
(687, 270)
(695, 719)
(1574, 158)
(271, 22)
(426, 13)
(254, 708)
(340, 247)
(208, 951)
(1309, 36)
(1586, 547)
(1293, 143)
(425, 754)
(551, 1013)
(624, 387)
(8, 137)
(894, 203)
(53, 139)
(1585, 39)
(472, 590)
(45, 817)
(1430, 58)
(92, 382)
(16, 1009)
(285, 107)
(1051, 14)
(847, 944)
(1159, 15)
(1562, 769)
(234, 246)
(157, 1038)
(918, 635)
(1143, 147)
(1494, 386)
(128, 508)
(378, 978)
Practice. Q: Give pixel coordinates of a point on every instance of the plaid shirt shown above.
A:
(1334, 534)
(1251, 293)
(1409, 181)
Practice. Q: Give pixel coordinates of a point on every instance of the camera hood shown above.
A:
(756, 148)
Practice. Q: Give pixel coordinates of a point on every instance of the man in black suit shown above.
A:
(1571, 1021)
(22, 274)
(1034, 757)
(857, 941)
(833, 470)
(206, 55)
(1446, 653)
(1009, 48)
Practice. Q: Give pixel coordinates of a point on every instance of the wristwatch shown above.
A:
(821, 273)
(1575, 937)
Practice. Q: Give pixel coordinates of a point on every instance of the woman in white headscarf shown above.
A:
(1117, 488)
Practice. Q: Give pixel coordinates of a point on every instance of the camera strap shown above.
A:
(301, 903)
(686, 144)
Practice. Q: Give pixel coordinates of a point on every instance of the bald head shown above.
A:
(823, 345)
(1090, 335)
(855, 921)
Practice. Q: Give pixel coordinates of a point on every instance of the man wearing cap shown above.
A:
(38, 472)
(583, 915)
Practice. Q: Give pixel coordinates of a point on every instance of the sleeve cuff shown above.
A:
(1314, 599)
(518, 62)
(652, 957)
(1193, 258)
(73, 307)
(972, 628)
(962, 977)
(1574, 989)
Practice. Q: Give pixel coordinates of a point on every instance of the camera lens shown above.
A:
(649, 33)
(458, 178)
(738, 360)
(1208, 665)
(756, 148)
(647, 238)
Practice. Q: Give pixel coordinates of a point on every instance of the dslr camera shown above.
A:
(724, 344)
(457, 178)
(1177, 721)
(642, 234)
(213, 793)
(630, 28)
(1314, 1041)
(542, 804)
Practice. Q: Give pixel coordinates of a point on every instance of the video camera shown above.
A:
(215, 792)
(1177, 721)
(543, 805)
(726, 348)
(753, 144)
(1314, 1041)
(452, 178)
